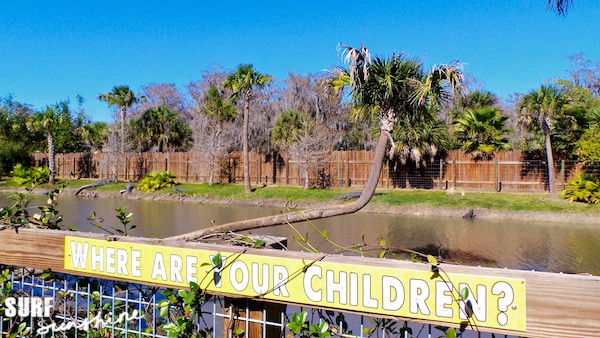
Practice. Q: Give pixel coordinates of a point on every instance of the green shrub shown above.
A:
(585, 188)
(25, 175)
(157, 180)
(12, 153)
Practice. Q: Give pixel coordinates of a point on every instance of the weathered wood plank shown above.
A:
(558, 305)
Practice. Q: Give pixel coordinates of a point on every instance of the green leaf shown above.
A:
(238, 332)
(450, 333)
(464, 293)
(432, 260)
(169, 327)
(217, 260)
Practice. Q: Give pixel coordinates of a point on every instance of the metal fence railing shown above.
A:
(77, 299)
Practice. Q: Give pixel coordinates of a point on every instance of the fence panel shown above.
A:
(508, 171)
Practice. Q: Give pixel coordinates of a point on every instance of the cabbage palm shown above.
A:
(219, 111)
(538, 109)
(47, 121)
(243, 83)
(482, 131)
(123, 98)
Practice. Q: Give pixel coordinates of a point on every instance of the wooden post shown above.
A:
(287, 172)
(257, 171)
(348, 182)
(167, 164)
(235, 307)
(187, 169)
(497, 175)
(341, 177)
(455, 166)
(562, 173)
(74, 169)
(441, 173)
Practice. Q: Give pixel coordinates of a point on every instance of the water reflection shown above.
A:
(544, 246)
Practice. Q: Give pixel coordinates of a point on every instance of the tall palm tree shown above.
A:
(538, 109)
(47, 121)
(219, 111)
(378, 86)
(243, 83)
(123, 98)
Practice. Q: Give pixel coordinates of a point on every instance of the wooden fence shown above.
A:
(557, 305)
(508, 171)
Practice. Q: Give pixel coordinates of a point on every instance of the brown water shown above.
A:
(542, 246)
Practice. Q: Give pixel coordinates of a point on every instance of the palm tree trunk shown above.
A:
(550, 163)
(317, 213)
(123, 112)
(246, 155)
(51, 158)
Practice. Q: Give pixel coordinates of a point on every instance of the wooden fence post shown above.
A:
(348, 181)
(441, 174)
(497, 175)
(562, 173)
(187, 169)
(455, 166)
(341, 176)
(287, 171)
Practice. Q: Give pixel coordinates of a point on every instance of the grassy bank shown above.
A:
(430, 198)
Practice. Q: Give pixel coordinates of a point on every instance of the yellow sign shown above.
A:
(493, 302)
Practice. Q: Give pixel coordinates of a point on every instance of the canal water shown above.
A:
(540, 246)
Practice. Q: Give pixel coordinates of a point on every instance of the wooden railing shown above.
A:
(557, 305)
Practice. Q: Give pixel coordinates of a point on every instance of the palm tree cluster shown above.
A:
(480, 125)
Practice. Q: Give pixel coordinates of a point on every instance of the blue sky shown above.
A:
(51, 50)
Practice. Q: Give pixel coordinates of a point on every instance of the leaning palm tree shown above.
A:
(538, 109)
(47, 121)
(378, 86)
(123, 98)
(243, 83)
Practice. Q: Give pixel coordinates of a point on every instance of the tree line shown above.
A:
(310, 115)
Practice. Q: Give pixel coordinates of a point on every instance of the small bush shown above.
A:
(585, 188)
(12, 153)
(24, 175)
(157, 180)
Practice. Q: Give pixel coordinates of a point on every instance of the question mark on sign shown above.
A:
(508, 296)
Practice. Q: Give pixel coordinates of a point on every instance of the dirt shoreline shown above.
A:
(413, 209)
